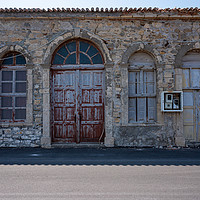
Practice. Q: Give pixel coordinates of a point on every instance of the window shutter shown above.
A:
(141, 109)
(151, 109)
(132, 109)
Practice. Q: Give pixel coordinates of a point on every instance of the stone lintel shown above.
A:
(45, 66)
(109, 65)
(124, 65)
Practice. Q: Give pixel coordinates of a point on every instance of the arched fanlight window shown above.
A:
(77, 52)
(13, 88)
(13, 59)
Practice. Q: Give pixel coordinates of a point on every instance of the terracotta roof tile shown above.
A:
(105, 10)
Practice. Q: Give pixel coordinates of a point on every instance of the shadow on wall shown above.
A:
(100, 156)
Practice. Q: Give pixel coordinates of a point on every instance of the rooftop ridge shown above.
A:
(191, 10)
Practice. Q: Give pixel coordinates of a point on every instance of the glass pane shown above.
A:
(63, 51)
(6, 101)
(20, 101)
(58, 60)
(92, 51)
(20, 60)
(20, 114)
(84, 46)
(71, 46)
(97, 59)
(71, 59)
(6, 87)
(20, 87)
(84, 59)
(8, 60)
(6, 114)
(7, 75)
(20, 75)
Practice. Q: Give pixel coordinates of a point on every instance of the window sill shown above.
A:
(7, 124)
(143, 124)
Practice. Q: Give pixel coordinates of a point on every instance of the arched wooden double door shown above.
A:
(77, 93)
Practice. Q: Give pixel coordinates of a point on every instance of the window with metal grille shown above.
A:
(13, 88)
(142, 91)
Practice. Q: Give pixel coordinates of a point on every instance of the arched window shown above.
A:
(13, 88)
(142, 89)
(191, 94)
(77, 52)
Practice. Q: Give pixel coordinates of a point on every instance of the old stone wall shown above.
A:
(38, 35)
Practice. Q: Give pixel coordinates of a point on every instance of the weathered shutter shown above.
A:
(132, 83)
(150, 83)
(132, 110)
(151, 109)
(141, 109)
(188, 115)
(186, 78)
(195, 78)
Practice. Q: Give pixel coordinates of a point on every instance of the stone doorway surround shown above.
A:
(73, 34)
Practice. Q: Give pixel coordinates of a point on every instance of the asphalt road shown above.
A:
(80, 174)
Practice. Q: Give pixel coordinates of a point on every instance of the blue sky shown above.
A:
(98, 3)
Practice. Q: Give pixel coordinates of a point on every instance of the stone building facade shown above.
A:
(143, 53)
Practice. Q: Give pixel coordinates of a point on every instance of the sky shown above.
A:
(98, 3)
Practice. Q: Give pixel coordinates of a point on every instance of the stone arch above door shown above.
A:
(77, 33)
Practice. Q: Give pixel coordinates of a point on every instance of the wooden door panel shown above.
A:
(58, 96)
(78, 106)
(70, 114)
(98, 113)
(58, 114)
(98, 79)
(98, 96)
(64, 103)
(92, 106)
(58, 130)
(98, 128)
(87, 114)
(87, 95)
(69, 131)
(87, 132)
(70, 96)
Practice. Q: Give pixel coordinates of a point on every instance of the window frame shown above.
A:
(140, 94)
(27, 94)
(77, 52)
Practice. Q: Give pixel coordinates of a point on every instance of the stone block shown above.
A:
(180, 141)
(7, 131)
(109, 141)
(46, 142)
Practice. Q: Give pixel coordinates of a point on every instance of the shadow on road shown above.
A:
(99, 156)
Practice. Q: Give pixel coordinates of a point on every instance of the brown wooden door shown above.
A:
(77, 106)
